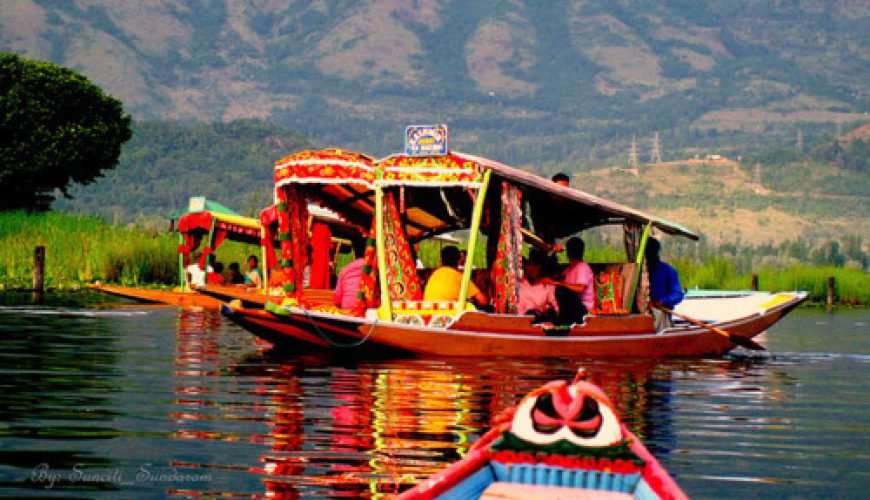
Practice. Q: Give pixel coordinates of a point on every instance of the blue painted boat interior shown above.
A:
(549, 475)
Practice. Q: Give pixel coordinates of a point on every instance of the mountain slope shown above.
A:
(563, 80)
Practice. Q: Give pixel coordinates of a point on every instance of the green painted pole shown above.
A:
(208, 257)
(638, 259)
(181, 280)
(476, 215)
(385, 312)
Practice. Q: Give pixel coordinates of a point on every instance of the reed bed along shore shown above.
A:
(82, 249)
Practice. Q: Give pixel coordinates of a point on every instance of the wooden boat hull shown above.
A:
(560, 441)
(154, 296)
(453, 482)
(257, 298)
(481, 334)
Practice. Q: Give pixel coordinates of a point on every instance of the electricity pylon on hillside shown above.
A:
(655, 156)
(632, 154)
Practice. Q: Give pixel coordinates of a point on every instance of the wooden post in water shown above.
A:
(832, 285)
(754, 285)
(38, 273)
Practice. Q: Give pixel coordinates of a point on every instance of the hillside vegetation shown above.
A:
(166, 163)
(743, 203)
(522, 82)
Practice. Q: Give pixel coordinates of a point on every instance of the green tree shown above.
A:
(56, 129)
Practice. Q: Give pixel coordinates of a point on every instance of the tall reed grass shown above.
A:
(852, 286)
(82, 249)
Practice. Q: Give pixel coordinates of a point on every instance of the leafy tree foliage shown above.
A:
(56, 129)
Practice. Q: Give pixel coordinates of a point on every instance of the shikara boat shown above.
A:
(561, 441)
(207, 224)
(408, 197)
(257, 298)
(187, 298)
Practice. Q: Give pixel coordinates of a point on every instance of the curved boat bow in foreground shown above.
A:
(561, 441)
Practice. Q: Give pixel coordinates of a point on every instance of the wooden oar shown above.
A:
(736, 339)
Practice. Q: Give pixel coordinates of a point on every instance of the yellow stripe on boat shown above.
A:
(776, 300)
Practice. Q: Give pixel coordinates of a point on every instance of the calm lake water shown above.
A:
(134, 401)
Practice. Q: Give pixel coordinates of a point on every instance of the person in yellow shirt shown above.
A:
(445, 282)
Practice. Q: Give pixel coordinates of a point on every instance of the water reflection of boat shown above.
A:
(377, 428)
(560, 441)
(402, 199)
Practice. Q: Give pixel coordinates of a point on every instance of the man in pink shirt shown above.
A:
(536, 297)
(347, 285)
(575, 292)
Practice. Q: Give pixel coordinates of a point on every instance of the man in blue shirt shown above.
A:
(664, 285)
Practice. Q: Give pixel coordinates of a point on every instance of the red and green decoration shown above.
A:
(403, 281)
(293, 235)
(368, 283)
(447, 170)
(326, 166)
(507, 269)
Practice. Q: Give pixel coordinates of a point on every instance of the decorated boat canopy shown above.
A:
(567, 210)
(404, 198)
(215, 222)
(347, 180)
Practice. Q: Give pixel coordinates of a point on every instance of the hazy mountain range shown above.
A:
(522, 81)
(546, 85)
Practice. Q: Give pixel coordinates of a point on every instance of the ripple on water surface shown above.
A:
(145, 401)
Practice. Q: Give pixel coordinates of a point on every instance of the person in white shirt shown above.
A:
(194, 274)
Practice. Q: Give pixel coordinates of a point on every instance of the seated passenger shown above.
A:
(234, 274)
(214, 277)
(195, 276)
(254, 276)
(347, 284)
(537, 298)
(445, 282)
(664, 285)
(575, 291)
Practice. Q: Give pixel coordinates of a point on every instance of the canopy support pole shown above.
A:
(638, 259)
(182, 278)
(385, 312)
(210, 246)
(264, 259)
(476, 215)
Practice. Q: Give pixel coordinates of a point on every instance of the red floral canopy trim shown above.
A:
(327, 166)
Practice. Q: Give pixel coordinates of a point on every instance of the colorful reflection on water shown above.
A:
(162, 402)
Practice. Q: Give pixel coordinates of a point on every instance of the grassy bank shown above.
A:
(84, 249)
(852, 286)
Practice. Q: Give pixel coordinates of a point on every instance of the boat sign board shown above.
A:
(426, 140)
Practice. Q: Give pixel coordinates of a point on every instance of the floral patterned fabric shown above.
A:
(507, 269)
(608, 292)
(448, 170)
(368, 283)
(293, 234)
(326, 166)
(267, 217)
(403, 280)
